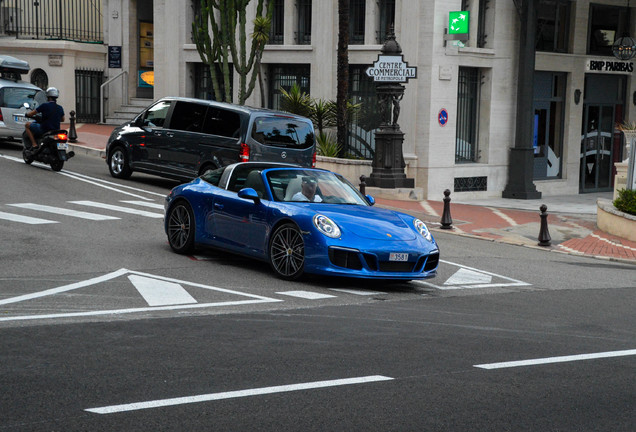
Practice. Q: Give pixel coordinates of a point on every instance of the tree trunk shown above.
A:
(343, 73)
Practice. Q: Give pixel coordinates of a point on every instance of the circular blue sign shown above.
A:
(442, 117)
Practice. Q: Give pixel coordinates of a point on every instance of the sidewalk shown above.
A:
(571, 218)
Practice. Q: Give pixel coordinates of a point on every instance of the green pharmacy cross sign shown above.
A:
(458, 22)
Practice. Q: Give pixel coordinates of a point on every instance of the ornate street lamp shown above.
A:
(624, 48)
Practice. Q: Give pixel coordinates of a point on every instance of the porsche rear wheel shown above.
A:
(181, 228)
(287, 252)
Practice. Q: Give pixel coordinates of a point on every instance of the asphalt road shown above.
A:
(85, 346)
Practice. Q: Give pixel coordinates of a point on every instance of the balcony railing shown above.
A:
(73, 20)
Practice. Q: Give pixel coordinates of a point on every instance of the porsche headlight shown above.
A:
(326, 226)
(422, 229)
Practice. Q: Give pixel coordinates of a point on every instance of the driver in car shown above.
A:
(307, 191)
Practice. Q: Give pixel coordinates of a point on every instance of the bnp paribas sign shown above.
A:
(391, 68)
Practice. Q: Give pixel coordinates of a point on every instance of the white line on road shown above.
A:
(235, 394)
(305, 294)
(118, 208)
(64, 211)
(144, 204)
(24, 219)
(97, 181)
(357, 292)
(561, 359)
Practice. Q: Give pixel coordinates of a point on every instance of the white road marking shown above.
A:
(64, 211)
(98, 182)
(504, 216)
(253, 298)
(119, 209)
(306, 295)
(562, 359)
(145, 204)
(508, 282)
(428, 209)
(464, 276)
(357, 292)
(236, 394)
(24, 219)
(160, 293)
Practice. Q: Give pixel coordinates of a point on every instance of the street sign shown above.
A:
(458, 22)
(442, 117)
(391, 68)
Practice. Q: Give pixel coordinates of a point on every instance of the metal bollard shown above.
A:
(544, 234)
(72, 133)
(447, 221)
(363, 185)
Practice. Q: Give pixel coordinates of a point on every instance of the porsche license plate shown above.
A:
(398, 257)
(62, 146)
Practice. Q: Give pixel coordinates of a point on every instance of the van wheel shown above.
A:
(206, 167)
(118, 163)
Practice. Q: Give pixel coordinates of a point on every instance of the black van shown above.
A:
(181, 138)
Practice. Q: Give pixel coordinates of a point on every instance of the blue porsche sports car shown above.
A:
(300, 220)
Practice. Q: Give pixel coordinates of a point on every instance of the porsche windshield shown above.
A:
(298, 185)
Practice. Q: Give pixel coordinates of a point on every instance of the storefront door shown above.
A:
(601, 141)
(596, 148)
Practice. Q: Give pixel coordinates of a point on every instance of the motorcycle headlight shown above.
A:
(422, 229)
(326, 226)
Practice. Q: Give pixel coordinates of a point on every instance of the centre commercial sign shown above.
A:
(391, 68)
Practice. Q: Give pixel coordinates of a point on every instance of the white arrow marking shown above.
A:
(464, 276)
(235, 394)
(161, 293)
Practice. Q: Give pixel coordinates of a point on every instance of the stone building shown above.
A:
(580, 89)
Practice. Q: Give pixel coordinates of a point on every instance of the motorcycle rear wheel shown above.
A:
(57, 165)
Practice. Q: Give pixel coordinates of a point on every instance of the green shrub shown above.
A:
(326, 145)
(626, 201)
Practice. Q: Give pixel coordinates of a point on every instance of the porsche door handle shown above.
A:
(218, 206)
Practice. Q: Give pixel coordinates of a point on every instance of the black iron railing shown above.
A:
(73, 20)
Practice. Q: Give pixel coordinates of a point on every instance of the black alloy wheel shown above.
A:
(181, 228)
(287, 252)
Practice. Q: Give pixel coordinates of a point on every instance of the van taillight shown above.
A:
(1, 118)
(313, 161)
(244, 153)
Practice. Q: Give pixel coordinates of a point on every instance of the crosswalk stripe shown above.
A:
(24, 219)
(144, 204)
(63, 211)
(119, 209)
(306, 295)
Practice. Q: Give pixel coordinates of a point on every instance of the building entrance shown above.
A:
(600, 140)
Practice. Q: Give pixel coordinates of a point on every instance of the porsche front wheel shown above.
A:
(287, 252)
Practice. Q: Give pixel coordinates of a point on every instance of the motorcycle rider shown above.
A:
(52, 116)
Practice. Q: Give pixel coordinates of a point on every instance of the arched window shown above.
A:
(40, 79)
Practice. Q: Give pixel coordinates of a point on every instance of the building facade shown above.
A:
(458, 115)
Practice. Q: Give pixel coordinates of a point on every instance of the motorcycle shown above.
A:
(52, 147)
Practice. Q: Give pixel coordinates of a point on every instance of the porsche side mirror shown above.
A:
(370, 199)
(249, 193)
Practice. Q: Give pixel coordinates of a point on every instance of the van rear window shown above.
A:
(283, 132)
